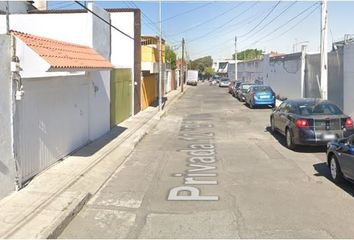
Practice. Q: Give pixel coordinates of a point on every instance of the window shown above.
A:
(325, 108)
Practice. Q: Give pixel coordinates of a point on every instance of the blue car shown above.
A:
(340, 159)
(260, 95)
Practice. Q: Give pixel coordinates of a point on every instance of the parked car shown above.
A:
(260, 95)
(224, 82)
(310, 122)
(231, 86)
(340, 159)
(235, 87)
(242, 90)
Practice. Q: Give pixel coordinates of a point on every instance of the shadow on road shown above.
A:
(323, 171)
(302, 149)
(257, 107)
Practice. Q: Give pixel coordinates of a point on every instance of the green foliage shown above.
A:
(248, 54)
(201, 64)
(170, 57)
(208, 72)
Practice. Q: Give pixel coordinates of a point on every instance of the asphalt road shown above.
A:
(211, 169)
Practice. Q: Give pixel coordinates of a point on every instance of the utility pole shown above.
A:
(235, 58)
(7, 17)
(324, 60)
(182, 66)
(160, 59)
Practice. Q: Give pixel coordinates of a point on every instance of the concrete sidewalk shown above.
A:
(44, 207)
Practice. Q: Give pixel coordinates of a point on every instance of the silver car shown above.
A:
(224, 82)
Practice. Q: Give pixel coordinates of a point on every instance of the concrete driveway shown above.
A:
(211, 169)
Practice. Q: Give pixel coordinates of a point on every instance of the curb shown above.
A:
(64, 219)
(55, 229)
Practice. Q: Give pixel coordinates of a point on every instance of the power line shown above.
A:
(237, 23)
(149, 21)
(291, 28)
(286, 23)
(266, 16)
(220, 26)
(125, 34)
(209, 20)
(290, 20)
(188, 11)
(276, 17)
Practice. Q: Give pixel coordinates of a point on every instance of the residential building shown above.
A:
(225, 68)
(58, 87)
(62, 111)
(150, 69)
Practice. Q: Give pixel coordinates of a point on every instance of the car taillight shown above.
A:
(348, 123)
(302, 123)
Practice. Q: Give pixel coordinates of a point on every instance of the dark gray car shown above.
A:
(310, 122)
(340, 159)
(242, 91)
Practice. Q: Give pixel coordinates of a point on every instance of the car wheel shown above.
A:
(272, 126)
(336, 173)
(289, 139)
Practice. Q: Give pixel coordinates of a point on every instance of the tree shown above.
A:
(208, 72)
(170, 57)
(201, 64)
(248, 54)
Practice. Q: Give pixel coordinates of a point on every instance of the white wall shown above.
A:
(122, 46)
(7, 162)
(250, 71)
(348, 85)
(99, 104)
(284, 76)
(80, 28)
(53, 120)
(16, 6)
(73, 27)
(99, 32)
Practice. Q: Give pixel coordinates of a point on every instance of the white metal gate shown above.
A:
(52, 122)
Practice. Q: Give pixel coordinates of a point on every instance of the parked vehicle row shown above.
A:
(306, 122)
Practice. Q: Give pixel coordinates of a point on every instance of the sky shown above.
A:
(209, 27)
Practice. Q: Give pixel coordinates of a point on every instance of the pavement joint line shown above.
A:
(54, 230)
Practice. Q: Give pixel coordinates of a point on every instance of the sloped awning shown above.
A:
(63, 56)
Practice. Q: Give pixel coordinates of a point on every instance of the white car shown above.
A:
(224, 82)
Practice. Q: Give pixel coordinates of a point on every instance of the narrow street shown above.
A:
(253, 187)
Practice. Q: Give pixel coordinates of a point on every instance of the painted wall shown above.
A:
(123, 51)
(73, 27)
(16, 6)
(53, 121)
(348, 77)
(80, 28)
(99, 33)
(7, 162)
(284, 76)
(99, 91)
(122, 46)
(250, 71)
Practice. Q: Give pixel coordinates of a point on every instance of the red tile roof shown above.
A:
(61, 55)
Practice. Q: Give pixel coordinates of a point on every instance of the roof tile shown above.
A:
(61, 54)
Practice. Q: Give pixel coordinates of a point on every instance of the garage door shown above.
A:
(52, 122)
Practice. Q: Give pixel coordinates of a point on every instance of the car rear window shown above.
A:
(319, 109)
(262, 89)
(246, 86)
